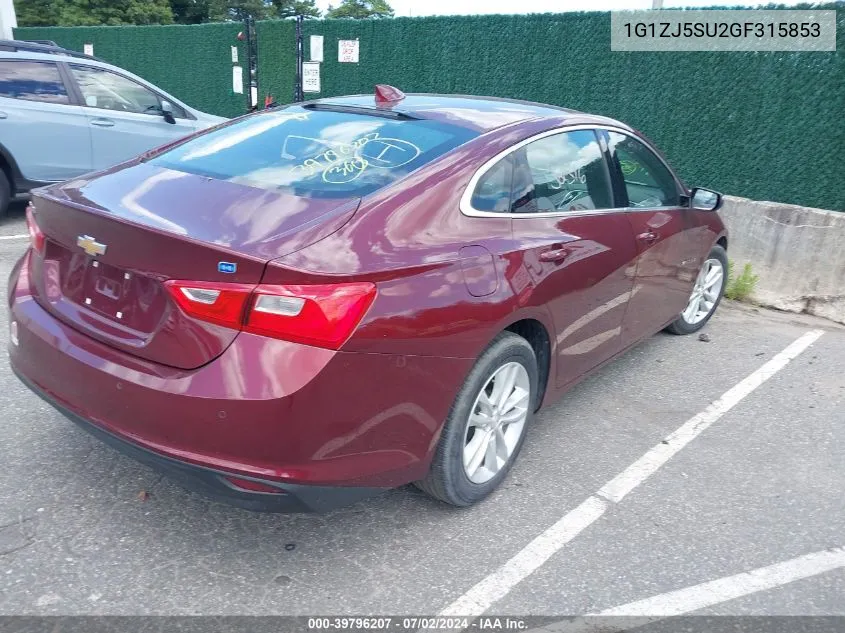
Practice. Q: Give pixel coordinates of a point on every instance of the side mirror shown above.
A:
(167, 112)
(705, 200)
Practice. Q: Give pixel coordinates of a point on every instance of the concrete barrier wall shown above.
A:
(798, 253)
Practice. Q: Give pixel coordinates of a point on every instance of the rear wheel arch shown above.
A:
(10, 179)
(6, 168)
(723, 242)
(7, 184)
(538, 337)
(9, 167)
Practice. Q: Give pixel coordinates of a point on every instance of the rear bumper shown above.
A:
(305, 420)
(213, 483)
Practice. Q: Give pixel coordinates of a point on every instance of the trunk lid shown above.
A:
(112, 240)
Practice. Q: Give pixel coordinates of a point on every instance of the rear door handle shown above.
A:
(554, 255)
(3, 115)
(649, 237)
(102, 122)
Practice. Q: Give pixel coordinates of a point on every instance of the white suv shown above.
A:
(63, 114)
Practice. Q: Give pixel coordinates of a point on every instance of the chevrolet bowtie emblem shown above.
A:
(90, 245)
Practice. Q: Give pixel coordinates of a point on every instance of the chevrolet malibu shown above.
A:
(317, 302)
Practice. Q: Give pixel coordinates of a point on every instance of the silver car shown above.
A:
(63, 114)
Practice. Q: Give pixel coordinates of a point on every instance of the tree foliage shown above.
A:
(115, 12)
(92, 12)
(290, 8)
(361, 9)
(221, 10)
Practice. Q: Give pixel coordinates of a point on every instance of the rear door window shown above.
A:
(316, 153)
(32, 81)
(562, 172)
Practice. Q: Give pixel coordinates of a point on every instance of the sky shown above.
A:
(466, 7)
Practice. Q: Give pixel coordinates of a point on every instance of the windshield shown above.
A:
(316, 153)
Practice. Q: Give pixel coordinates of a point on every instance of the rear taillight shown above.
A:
(222, 304)
(324, 315)
(37, 239)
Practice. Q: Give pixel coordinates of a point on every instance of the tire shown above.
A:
(686, 325)
(508, 355)
(5, 194)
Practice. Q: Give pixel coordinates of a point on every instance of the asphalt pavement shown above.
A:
(760, 488)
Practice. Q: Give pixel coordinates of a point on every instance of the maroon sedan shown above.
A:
(316, 302)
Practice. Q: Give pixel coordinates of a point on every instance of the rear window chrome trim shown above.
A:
(466, 199)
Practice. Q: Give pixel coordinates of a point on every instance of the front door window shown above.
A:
(647, 181)
(109, 91)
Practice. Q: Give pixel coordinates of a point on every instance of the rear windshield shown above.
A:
(315, 153)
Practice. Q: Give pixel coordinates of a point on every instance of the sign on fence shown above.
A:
(347, 51)
(316, 48)
(310, 77)
(237, 80)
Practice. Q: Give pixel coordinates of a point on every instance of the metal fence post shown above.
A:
(251, 63)
(297, 87)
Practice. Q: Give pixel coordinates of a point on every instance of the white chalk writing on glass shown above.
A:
(572, 178)
(344, 162)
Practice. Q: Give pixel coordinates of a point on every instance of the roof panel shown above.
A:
(482, 113)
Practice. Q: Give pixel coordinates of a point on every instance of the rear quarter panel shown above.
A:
(408, 238)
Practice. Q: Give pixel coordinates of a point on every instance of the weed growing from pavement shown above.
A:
(740, 288)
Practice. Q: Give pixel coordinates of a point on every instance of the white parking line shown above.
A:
(706, 594)
(499, 583)
(21, 236)
(715, 592)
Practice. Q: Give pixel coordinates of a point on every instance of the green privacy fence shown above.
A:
(763, 125)
(193, 63)
(277, 58)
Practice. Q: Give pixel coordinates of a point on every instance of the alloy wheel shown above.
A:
(496, 422)
(706, 292)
